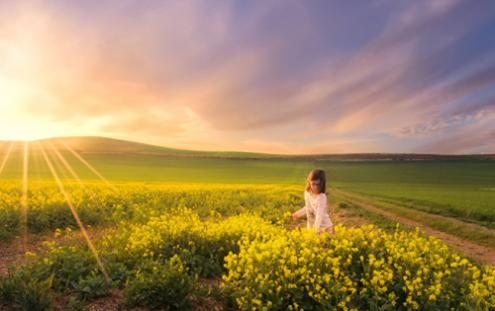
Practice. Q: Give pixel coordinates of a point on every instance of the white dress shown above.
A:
(316, 210)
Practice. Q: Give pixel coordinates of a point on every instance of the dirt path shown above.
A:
(475, 251)
(12, 252)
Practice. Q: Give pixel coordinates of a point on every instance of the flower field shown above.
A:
(162, 243)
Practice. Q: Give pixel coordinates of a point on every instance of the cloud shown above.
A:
(251, 75)
(478, 137)
(455, 120)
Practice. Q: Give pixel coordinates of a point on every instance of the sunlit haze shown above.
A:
(268, 76)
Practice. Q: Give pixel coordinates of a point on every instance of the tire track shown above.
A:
(480, 253)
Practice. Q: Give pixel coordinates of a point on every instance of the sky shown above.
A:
(268, 76)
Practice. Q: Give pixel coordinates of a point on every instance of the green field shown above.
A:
(457, 188)
(464, 189)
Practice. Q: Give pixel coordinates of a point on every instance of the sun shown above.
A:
(23, 130)
(21, 134)
(15, 121)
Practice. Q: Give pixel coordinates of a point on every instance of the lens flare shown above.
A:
(6, 157)
(70, 169)
(89, 166)
(74, 213)
(24, 199)
(65, 164)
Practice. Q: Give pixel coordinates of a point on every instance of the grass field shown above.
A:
(463, 189)
(458, 188)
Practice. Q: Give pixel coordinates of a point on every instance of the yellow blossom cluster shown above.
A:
(203, 244)
(359, 268)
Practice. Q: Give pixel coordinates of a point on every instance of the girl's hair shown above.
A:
(317, 174)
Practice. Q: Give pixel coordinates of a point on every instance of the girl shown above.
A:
(315, 199)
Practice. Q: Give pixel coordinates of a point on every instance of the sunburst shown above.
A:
(74, 213)
(6, 157)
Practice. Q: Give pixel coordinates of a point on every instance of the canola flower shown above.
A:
(237, 234)
(358, 269)
(183, 232)
(137, 202)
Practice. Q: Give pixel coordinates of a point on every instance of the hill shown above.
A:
(104, 145)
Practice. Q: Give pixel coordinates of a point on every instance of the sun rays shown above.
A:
(89, 166)
(53, 158)
(65, 163)
(6, 157)
(24, 198)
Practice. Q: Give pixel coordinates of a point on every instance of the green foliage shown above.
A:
(66, 265)
(91, 287)
(157, 285)
(19, 291)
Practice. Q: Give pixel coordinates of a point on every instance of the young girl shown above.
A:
(315, 199)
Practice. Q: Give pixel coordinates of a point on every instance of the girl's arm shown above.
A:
(302, 211)
(321, 209)
(299, 213)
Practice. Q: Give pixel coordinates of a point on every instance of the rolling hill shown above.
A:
(104, 145)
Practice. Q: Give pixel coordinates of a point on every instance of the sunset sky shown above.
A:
(270, 76)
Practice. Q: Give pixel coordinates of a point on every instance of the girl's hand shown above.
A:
(298, 214)
(294, 216)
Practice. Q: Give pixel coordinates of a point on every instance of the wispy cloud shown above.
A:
(279, 76)
(477, 137)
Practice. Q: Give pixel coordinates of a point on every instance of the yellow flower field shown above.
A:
(163, 241)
